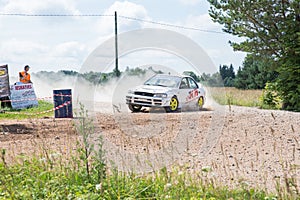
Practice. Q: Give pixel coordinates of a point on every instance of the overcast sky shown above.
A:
(55, 43)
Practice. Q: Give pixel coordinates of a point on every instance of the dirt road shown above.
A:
(240, 145)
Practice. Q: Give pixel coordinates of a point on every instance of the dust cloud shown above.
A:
(105, 98)
(96, 98)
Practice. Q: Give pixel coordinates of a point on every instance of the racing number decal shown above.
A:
(192, 95)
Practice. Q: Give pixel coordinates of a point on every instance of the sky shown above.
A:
(64, 43)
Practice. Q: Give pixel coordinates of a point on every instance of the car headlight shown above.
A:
(161, 95)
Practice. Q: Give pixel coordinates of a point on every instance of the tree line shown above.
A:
(271, 33)
(252, 75)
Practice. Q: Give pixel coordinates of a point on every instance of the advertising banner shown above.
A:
(4, 81)
(23, 96)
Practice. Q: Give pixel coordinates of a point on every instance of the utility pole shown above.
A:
(117, 72)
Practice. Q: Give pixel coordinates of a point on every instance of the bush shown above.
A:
(270, 98)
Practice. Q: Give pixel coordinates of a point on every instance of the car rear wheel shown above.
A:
(200, 102)
(134, 108)
(173, 105)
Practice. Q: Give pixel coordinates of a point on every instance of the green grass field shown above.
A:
(34, 112)
(233, 96)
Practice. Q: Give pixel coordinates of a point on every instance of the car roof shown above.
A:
(173, 75)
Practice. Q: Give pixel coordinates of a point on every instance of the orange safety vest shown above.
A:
(24, 77)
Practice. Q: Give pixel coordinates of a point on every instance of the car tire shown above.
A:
(200, 103)
(134, 108)
(173, 107)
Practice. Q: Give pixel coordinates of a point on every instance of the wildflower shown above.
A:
(180, 173)
(98, 186)
(167, 186)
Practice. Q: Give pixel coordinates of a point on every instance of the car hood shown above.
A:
(151, 89)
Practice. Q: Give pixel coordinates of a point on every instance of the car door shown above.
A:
(194, 92)
(184, 92)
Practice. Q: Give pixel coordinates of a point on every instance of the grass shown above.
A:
(50, 175)
(234, 96)
(9, 113)
(35, 179)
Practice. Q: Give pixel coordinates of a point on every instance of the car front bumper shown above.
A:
(147, 101)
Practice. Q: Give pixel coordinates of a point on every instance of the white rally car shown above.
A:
(171, 92)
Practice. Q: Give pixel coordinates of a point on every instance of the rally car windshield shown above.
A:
(164, 81)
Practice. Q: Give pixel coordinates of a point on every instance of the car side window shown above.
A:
(184, 84)
(193, 84)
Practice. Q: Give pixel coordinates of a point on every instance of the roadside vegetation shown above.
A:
(34, 112)
(265, 99)
(234, 96)
(54, 178)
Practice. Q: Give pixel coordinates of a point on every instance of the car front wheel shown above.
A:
(134, 108)
(174, 103)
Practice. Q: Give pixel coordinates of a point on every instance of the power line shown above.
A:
(53, 15)
(120, 16)
(170, 25)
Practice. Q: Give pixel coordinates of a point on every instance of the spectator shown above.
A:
(25, 76)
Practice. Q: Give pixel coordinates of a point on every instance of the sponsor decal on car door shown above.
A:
(194, 91)
(193, 95)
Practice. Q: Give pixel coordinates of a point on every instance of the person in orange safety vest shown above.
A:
(24, 75)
